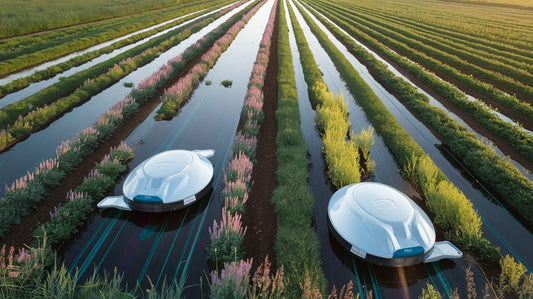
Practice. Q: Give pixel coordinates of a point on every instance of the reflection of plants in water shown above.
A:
(226, 83)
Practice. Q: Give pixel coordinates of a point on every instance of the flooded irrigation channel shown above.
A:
(41, 145)
(157, 246)
(37, 86)
(340, 266)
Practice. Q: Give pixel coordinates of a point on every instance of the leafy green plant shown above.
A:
(226, 83)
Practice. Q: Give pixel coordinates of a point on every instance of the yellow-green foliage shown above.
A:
(512, 274)
(364, 141)
(430, 292)
(342, 156)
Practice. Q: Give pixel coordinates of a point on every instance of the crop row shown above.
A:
(297, 245)
(53, 70)
(505, 30)
(25, 193)
(510, 186)
(446, 38)
(475, 60)
(177, 93)
(226, 235)
(452, 211)
(24, 52)
(341, 153)
(17, 20)
(42, 108)
(489, 71)
(448, 65)
(517, 137)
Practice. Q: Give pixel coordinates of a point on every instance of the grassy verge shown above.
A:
(451, 210)
(510, 186)
(297, 245)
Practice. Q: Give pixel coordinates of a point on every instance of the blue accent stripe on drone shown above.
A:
(358, 281)
(111, 245)
(80, 253)
(442, 279)
(152, 251)
(97, 246)
(171, 248)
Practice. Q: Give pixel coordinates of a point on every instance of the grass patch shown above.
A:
(226, 83)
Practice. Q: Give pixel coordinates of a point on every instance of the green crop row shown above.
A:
(297, 245)
(50, 109)
(24, 52)
(510, 186)
(446, 37)
(519, 139)
(468, 57)
(451, 209)
(19, 18)
(341, 153)
(51, 71)
(505, 30)
(437, 59)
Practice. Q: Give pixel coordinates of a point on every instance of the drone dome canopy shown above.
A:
(382, 225)
(166, 181)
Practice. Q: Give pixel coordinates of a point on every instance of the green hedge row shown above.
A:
(451, 209)
(510, 186)
(297, 245)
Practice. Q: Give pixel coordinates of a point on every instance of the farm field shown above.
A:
(297, 98)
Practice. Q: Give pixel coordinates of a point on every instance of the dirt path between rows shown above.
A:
(260, 216)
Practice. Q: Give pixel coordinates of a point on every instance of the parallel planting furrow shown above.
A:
(58, 68)
(23, 52)
(524, 110)
(226, 235)
(503, 178)
(452, 211)
(414, 49)
(21, 119)
(297, 245)
(26, 192)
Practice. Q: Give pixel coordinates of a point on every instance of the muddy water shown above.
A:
(41, 145)
(37, 86)
(436, 103)
(337, 263)
(172, 245)
(500, 227)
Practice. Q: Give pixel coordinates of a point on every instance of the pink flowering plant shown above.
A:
(79, 203)
(233, 281)
(226, 237)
